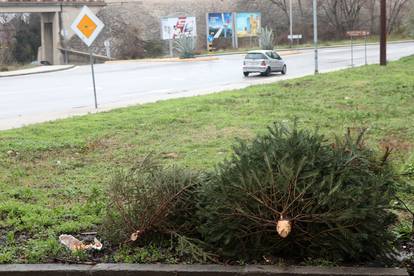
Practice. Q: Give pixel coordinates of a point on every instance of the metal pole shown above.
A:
(170, 45)
(66, 57)
(352, 51)
(366, 55)
(315, 34)
(383, 42)
(234, 31)
(93, 78)
(291, 22)
(207, 32)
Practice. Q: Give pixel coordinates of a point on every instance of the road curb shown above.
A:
(356, 44)
(196, 59)
(17, 73)
(190, 270)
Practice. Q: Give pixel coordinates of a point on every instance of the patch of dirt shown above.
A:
(212, 132)
(296, 84)
(396, 143)
(170, 155)
(100, 144)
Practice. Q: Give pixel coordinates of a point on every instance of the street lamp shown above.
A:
(315, 33)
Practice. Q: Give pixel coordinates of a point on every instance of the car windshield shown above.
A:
(255, 56)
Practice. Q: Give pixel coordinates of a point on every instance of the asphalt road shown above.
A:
(37, 98)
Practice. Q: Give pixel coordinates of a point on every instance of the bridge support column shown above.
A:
(50, 37)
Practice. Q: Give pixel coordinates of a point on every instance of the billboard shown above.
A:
(248, 24)
(220, 25)
(173, 27)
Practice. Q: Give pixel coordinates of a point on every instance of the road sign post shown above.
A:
(352, 51)
(87, 27)
(93, 78)
(353, 34)
(296, 37)
(366, 55)
(107, 44)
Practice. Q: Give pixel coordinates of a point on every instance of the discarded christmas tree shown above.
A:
(291, 194)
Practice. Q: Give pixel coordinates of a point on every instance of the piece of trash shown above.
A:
(89, 233)
(267, 259)
(136, 235)
(73, 244)
(12, 153)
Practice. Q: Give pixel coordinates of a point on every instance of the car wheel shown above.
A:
(246, 74)
(268, 71)
(284, 70)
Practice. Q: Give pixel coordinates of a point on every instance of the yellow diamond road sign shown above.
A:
(87, 26)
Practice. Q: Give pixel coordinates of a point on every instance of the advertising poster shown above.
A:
(174, 27)
(248, 24)
(220, 25)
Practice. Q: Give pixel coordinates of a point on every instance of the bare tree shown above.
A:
(410, 20)
(343, 15)
(283, 6)
(304, 12)
(7, 32)
(394, 10)
(372, 10)
(336, 16)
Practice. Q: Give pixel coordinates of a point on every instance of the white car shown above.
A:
(264, 62)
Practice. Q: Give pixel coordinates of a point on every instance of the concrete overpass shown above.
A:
(56, 18)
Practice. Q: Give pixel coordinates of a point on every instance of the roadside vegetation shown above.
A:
(321, 43)
(64, 177)
(19, 41)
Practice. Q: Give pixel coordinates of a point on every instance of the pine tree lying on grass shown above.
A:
(150, 199)
(155, 204)
(291, 194)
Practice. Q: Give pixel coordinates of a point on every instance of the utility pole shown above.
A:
(383, 32)
(315, 34)
(291, 22)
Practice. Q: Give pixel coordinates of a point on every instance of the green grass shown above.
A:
(53, 176)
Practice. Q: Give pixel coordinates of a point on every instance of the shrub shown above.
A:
(27, 39)
(185, 46)
(266, 39)
(411, 23)
(6, 57)
(153, 48)
(129, 44)
(290, 193)
(150, 200)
